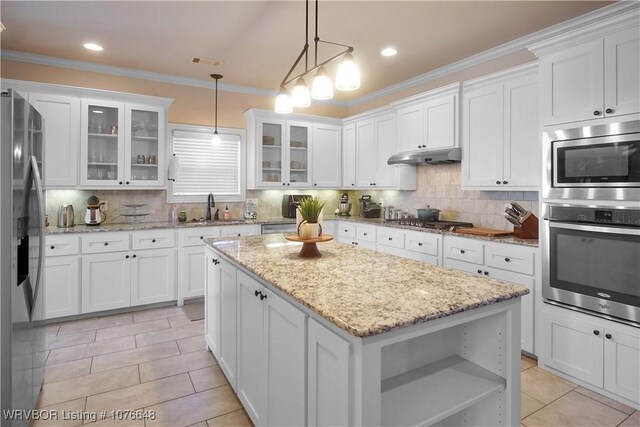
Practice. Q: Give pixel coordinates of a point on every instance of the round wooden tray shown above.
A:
(309, 247)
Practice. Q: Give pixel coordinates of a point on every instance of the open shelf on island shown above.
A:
(435, 391)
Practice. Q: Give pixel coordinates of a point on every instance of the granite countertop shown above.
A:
(361, 291)
(81, 228)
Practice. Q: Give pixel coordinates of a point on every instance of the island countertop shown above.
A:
(362, 292)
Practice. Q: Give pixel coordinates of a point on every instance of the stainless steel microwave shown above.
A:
(593, 163)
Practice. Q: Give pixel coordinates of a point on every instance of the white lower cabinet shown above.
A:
(152, 276)
(599, 352)
(327, 377)
(106, 281)
(62, 281)
(361, 235)
(500, 261)
(190, 261)
(212, 302)
(271, 355)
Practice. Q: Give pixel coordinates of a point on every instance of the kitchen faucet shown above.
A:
(211, 204)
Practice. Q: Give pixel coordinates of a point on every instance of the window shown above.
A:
(198, 167)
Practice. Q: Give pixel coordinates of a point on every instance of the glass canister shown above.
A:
(249, 210)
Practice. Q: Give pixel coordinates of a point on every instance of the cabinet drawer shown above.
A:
(194, 236)
(390, 237)
(424, 243)
(510, 258)
(153, 239)
(94, 243)
(61, 245)
(366, 233)
(347, 230)
(466, 250)
(240, 230)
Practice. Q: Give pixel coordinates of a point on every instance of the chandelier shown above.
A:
(347, 77)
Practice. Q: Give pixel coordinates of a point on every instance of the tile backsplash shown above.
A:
(438, 186)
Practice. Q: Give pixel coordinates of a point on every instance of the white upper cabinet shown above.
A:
(591, 74)
(62, 137)
(281, 151)
(429, 120)
(327, 155)
(375, 139)
(144, 145)
(349, 156)
(500, 131)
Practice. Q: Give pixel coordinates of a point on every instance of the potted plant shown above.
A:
(310, 210)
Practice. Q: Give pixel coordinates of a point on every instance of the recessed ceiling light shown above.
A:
(388, 51)
(93, 46)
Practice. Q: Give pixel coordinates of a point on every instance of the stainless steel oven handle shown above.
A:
(41, 208)
(595, 228)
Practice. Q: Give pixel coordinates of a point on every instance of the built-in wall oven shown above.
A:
(591, 259)
(595, 163)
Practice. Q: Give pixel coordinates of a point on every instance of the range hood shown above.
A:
(426, 157)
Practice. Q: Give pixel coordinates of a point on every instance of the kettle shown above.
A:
(65, 216)
(94, 214)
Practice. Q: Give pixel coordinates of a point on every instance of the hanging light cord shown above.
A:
(216, 77)
(305, 51)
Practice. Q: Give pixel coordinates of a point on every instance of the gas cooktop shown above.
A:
(422, 223)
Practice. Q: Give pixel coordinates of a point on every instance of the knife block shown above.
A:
(528, 229)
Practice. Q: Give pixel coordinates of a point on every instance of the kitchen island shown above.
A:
(360, 338)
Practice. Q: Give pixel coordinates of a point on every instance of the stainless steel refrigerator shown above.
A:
(22, 347)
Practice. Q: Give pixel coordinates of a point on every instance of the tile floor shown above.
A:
(155, 360)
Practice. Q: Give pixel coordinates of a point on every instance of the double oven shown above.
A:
(590, 236)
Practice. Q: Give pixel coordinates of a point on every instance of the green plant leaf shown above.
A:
(310, 209)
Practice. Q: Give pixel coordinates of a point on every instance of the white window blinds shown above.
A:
(202, 167)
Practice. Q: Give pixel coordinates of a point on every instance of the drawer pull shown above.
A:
(596, 332)
(607, 336)
(479, 271)
(134, 256)
(364, 234)
(106, 243)
(486, 273)
(419, 243)
(53, 247)
(497, 182)
(262, 296)
(462, 251)
(127, 257)
(390, 238)
(609, 110)
(507, 260)
(153, 240)
(201, 237)
(256, 293)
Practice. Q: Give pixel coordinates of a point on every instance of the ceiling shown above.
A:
(259, 40)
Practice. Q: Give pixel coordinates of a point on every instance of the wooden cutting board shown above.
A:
(479, 231)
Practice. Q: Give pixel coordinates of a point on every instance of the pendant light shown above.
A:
(300, 95)
(216, 137)
(348, 77)
(284, 105)
(322, 87)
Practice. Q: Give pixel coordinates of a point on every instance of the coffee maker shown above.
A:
(94, 214)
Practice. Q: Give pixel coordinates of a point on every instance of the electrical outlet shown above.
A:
(255, 202)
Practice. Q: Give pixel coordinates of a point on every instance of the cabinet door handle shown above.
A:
(498, 182)
(486, 273)
(479, 271)
(607, 336)
(127, 257)
(505, 182)
(315, 185)
(507, 260)
(256, 293)
(609, 110)
(201, 237)
(153, 240)
(353, 185)
(364, 234)
(262, 296)
(462, 251)
(106, 243)
(134, 256)
(597, 113)
(127, 182)
(287, 183)
(120, 182)
(53, 247)
(390, 238)
(419, 243)
(596, 332)
(283, 183)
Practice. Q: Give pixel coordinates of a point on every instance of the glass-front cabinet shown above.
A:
(143, 153)
(121, 144)
(284, 153)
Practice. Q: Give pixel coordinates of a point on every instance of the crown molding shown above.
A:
(576, 24)
(524, 42)
(33, 58)
(524, 70)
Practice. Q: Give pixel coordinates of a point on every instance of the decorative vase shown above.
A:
(182, 216)
(309, 230)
